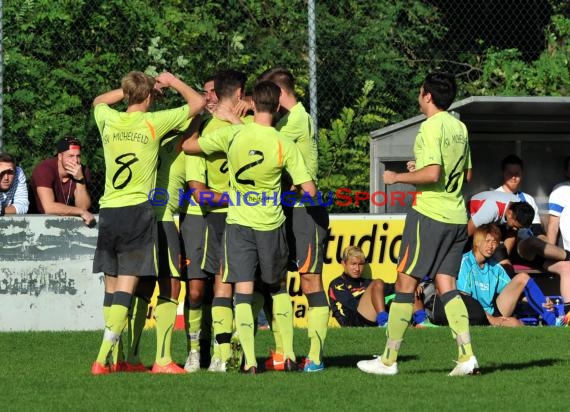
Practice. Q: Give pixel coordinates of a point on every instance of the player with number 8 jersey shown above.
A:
(126, 242)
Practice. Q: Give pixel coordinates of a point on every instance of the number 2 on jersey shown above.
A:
(249, 166)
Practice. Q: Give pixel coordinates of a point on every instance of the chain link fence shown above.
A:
(59, 55)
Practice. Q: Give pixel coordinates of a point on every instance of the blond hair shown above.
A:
(487, 229)
(137, 86)
(352, 251)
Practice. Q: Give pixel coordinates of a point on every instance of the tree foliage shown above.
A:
(372, 56)
(504, 72)
(344, 161)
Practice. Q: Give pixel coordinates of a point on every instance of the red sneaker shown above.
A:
(98, 369)
(170, 368)
(275, 362)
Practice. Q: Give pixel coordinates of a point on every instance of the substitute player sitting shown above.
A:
(516, 218)
(358, 301)
(487, 282)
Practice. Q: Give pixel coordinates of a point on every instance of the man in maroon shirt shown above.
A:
(60, 184)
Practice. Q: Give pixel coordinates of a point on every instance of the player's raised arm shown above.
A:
(110, 97)
(195, 100)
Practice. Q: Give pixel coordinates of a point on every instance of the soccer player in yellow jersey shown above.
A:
(229, 87)
(306, 224)
(193, 233)
(255, 233)
(199, 286)
(127, 225)
(171, 178)
(435, 231)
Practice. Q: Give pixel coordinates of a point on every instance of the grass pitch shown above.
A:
(522, 369)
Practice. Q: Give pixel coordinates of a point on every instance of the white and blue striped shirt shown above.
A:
(17, 193)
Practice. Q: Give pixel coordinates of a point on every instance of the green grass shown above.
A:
(522, 369)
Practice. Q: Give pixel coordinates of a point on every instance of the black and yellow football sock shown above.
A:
(137, 320)
(398, 321)
(458, 320)
(317, 324)
(244, 327)
(283, 315)
(206, 329)
(165, 316)
(115, 322)
(222, 322)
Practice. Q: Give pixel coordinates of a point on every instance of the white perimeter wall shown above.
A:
(46, 279)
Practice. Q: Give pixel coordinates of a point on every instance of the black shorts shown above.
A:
(216, 225)
(435, 248)
(355, 319)
(192, 233)
(126, 243)
(247, 250)
(169, 247)
(476, 313)
(307, 229)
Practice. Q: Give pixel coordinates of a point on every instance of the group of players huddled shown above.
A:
(232, 256)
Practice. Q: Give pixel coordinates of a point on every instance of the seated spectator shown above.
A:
(501, 208)
(13, 189)
(559, 217)
(513, 168)
(516, 216)
(504, 209)
(60, 184)
(486, 282)
(355, 301)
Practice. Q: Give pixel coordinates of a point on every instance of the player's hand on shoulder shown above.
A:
(227, 114)
(242, 108)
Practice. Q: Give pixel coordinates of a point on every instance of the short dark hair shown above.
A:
(266, 97)
(442, 87)
(523, 213)
(280, 76)
(512, 159)
(7, 158)
(227, 82)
